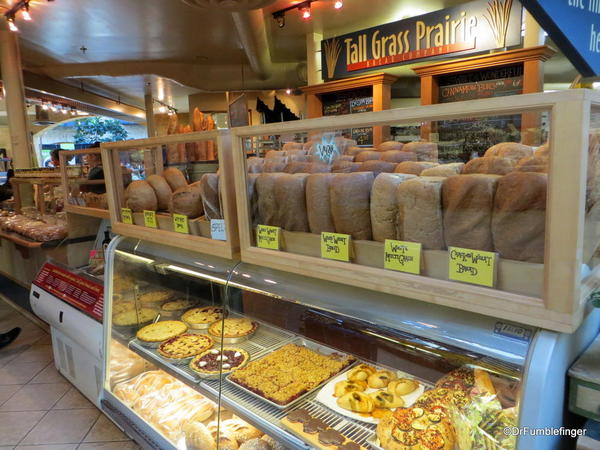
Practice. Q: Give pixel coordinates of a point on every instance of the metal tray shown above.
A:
(305, 343)
(374, 442)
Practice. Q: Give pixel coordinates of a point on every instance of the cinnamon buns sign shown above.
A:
(461, 30)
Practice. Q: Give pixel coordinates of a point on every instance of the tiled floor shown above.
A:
(39, 408)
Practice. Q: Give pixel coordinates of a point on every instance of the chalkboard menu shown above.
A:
(488, 83)
(362, 136)
(351, 102)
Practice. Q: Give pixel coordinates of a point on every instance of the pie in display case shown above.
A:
(204, 353)
(494, 210)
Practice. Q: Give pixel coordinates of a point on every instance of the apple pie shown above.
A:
(232, 328)
(155, 297)
(203, 316)
(161, 331)
(185, 345)
(134, 317)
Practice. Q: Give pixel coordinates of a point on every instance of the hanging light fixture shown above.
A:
(11, 24)
(339, 4)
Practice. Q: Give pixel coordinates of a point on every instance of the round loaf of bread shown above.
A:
(367, 156)
(413, 167)
(175, 178)
(254, 164)
(511, 150)
(187, 200)
(377, 166)
(398, 156)
(425, 151)
(161, 189)
(140, 196)
(389, 145)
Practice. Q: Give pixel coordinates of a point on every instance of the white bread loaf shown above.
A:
(209, 191)
(443, 170)
(413, 167)
(187, 200)
(276, 154)
(353, 151)
(511, 150)
(162, 190)
(384, 207)
(268, 209)
(494, 165)
(367, 155)
(341, 166)
(532, 164)
(274, 165)
(175, 178)
(318, 206)
(344, 158)
(397, 156)
(290, 196)
(519, 217)
(140, 196)
(377, 167)
(255, 165)
(420, 217)
(297, 167)
(425, 151)
(350, 197)
(468, 201)
(389, 145)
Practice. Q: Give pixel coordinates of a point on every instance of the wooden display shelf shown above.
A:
(199, 238)
(22, 241)
(551, 295)
(87, 211)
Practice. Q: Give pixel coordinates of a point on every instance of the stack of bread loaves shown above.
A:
(184, 152)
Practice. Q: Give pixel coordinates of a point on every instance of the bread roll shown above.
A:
(175, 178)
(389, 145)
(357, 402)
(161, 189)
(377, 167)
(345, 167)
(317, 203)
(532, 164)
(140, 196)
(511, 150)
(443, 170)
(209, 190)
(253, 199)
(353, 151)
(274, 165)
(425, 151)
(494, 165)
(187, 200)
(255, 165)
(413, 167)
(543, 151)
(468, 202)
(367, 155)
(384, 207)
(420, 217)
(397, 156)
(519, 217)
(197, 437)
(350, 195)
(267, 206)
(290, 197)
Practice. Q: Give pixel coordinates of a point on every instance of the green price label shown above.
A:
(402, 256)
(126, 216)
(180, 224)
(268, 237)
(150, 219)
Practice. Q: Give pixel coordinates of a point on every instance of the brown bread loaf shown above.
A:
(255, 165)
(209, 190)
(494, 165)
(511, 150)
(543, 151)
(532, 164)
(175, 178)
(350, 195)
(161, 189)
(345, 166)
(468, 202)
(389, 145)
(318, 206)
(443, 170)
(353, 151)
(278, 154)
(297, 167)
(274, 165)
(384, 207)
(290, 196)
(316, 167)
(343, 158)
(519, 217)
(420, 217)
(367, 155)
(187, 200)
(377, 167)
(268, 209)
(292, 146)
(397, 156)
(413, 167)
(140, 196)
(425, 151)
(253, 199)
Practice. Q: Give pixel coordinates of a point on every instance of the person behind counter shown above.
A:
(96, 172)
(54, 159)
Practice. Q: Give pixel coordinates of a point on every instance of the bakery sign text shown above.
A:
(465, 29)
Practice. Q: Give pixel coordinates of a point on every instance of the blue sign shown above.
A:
(574, 25)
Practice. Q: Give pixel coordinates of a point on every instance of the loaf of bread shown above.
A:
(532, 164)
(414, 167)
(290, 197)
(255, 165)
(140, 196)
(592, 197)
(316, 167)
(384, 207)
(367, 155)
(297, 167)
(353, 151)
(397, 156)
(317, 203)
(543, 151)
(187, 200)
(494, 165)
(468, 202)
(377, 167)
(274, 165)
(343, 143)
(161, 189)
(268, 209)
(175, 178)
(420, 217)
(519, 217)
(253, 199)
(511, 150)
(444, 170)
(389, 145)
(275, 154)
(344, 158)
(292, 146)
(350, 195)
(345, 166)
(425, 151)
(209, 191)
(297, 155)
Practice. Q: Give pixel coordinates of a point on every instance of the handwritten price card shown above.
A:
(268, 237)
(336, 246)
(150, 219)
(180, 224)
(402, 256)
(126, 216)
(472, 266)
(217, 229)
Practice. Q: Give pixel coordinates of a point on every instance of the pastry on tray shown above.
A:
(155, 297)
(185, 346)
(361, 372)
(402, 386)
(215, 362)
(177, 305)
(203, 316)
(134, 317)
(288, 372)
(344, 387)
(232, 328)
(357, 401)
(161, 331)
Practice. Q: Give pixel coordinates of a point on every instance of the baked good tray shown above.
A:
(310, 345)
(373, 442)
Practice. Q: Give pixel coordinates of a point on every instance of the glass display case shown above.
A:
(493, 210)
(187, 204)
(201, 352)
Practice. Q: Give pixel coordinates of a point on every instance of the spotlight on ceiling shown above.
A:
(279, 18)
(338, 4)
(288, 91)
(25, 13)
(11, 24)
(305, 10)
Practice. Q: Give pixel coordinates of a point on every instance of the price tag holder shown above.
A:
(180, 224)
(126, 216)
(268, 237)
(402, 256)
(150, 219)
(336, 246)
(217, 229)
(472, 266)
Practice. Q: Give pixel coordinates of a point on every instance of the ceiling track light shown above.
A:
(19, 6)
(339, 4)
(25, 13)
(303, 7)
(11, 24)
